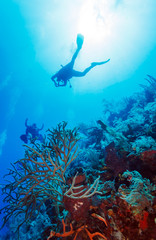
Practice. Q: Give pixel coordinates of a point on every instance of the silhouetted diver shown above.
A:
(61, 78)
(32, 132)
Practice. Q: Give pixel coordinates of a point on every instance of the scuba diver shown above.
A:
(32, 132)
(63, 76)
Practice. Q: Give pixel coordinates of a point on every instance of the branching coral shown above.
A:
(77, 231)
(39, 176)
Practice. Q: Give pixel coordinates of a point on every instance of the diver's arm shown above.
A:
(62, 85)
(57, 81)
(53, 77)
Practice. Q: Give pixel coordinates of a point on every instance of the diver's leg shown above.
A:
(79, 40)
(74, 57)
(81, 74)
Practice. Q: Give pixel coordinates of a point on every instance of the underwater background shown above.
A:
(114, 107)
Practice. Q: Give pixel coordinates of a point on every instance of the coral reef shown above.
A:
(95, 182)
(39, 176)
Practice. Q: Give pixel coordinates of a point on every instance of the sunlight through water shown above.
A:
(96, 19)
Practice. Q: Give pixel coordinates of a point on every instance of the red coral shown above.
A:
(76, 232)
(143, 222)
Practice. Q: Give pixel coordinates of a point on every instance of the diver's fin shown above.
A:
(79, 40)
(24, 138)
(93, 64)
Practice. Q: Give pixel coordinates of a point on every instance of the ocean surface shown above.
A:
(84, 154)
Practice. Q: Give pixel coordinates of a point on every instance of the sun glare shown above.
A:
(95, 20)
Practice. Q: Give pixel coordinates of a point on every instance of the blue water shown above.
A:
(37, 37)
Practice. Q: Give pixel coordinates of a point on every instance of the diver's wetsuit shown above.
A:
(67, 72)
